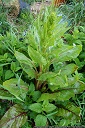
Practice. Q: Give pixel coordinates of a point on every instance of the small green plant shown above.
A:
(46, 98)
(78, 37)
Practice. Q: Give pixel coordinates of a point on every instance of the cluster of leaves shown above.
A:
(74, 12)
(38, 77)
(78, 37)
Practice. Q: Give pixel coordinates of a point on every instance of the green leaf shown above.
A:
(47, 96)
(30, 71)
(36, 107)
(65, 94)
(36, 95)
(4, 94)
(36, 56)
(48, 107)
(15, 117)
(31, 88)
(8, 74)
(66, 52)
(40, 120)
(69, 112)
(57, 82)
(16, 87)
(46, 76)
(26, 64)
(32, 38)
(64, 122)
(13, 66)
(80, 87)
(69, 69)
(23, 59)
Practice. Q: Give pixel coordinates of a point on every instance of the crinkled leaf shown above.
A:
(16, 87)
(36, 56)
(36, 107)
(15, 117)
(40, 120)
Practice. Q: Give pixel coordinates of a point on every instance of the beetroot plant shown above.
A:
(47, 98)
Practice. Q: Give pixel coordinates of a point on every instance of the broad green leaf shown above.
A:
(30, 71)
(46, 76)
(47, 96)
(70, 91)
(4, 94)
(15, 117)
(69, 69)
(65, 94)
(40, 120)
(66, 52)
(36, 107)
(8, 74)
(69, 112)
(80, 87)
(23, 59)
(16, 87)
(36, 56)
(72, 80)
(57, 82)
(26, 64)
